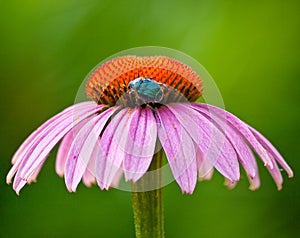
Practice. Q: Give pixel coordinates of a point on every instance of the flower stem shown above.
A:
(147, 205)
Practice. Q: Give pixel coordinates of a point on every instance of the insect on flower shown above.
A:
(137, 101)
(148, 90)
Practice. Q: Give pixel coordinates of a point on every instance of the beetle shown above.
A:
(147, 89)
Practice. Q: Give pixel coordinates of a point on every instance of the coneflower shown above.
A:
(143, 106)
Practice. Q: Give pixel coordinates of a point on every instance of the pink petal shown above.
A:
(229, 184)
(204, 166)
(261, 145)
(272, 150)
(242, 128)
(110, 155)
(19, 183)
(30, 139)
(116, 180)
(244, 153)
(33, 177)
(140, 143)
(63, 150)
(210, 140)
(37, 134)
(82, 147)
(179, 149)
(74, 156)
(89, 174)
(254, 182)
(88, 177)
(276, 174)
(47, 139)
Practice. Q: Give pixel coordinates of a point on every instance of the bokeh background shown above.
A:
(251, 48)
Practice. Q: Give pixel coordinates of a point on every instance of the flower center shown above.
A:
(136, 80)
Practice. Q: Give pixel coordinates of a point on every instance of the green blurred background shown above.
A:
(251, 48)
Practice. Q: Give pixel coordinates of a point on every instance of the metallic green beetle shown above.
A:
(147, 89)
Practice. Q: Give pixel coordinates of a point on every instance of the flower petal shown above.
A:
(140, 143)
(33, 177)
(273, 151)
(19, 183)
(27, 144)
(30, 139)
(229, 184)
(244, 153)
(254, 182)
(242, 128)
(110, 155)
(63, 150)
(88, 178)
(116, 180)
(74, 156)
(204, 166)
(179, 149)
(82, 148)
(210, 140)
(276, 175)
(47, 139)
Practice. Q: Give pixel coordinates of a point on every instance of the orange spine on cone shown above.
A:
(110, 80)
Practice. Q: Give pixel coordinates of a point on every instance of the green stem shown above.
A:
(147, 205)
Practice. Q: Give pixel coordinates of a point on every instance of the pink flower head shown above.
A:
(140, 103)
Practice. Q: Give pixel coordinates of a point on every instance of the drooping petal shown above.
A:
(140, 143)
(74, 157)
(276, 175)
(30, 139)
(260, 144)
(116, 180)
(244, 153)
(34, 175)
(88, 177)
(229, 183)
(82, 147)
(37, 134)
(242, 128)
(47, 139)
(18, 184)
(272, 151)
(210, 140)
(110, 155)
(254, 182)
(63, 150)
(204, 166)
(179, 148)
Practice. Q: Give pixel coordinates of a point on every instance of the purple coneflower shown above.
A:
(139, 101)
(141, 107)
